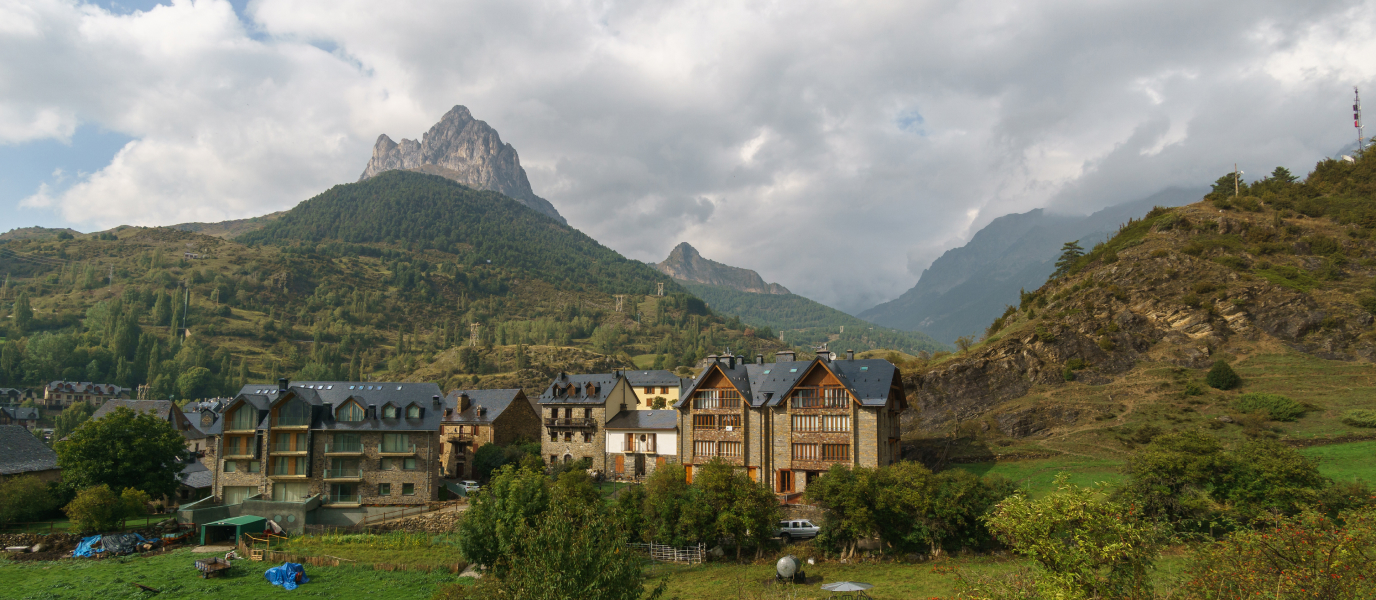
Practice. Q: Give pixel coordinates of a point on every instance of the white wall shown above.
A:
(666, 445)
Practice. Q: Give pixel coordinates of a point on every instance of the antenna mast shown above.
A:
(1357, 116)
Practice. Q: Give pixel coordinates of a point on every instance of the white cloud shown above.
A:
(865, 138)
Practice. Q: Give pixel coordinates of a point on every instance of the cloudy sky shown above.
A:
(835, 147)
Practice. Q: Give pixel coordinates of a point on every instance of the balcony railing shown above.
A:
(345, 448)
(237, 452)
(280, 472)
(342, 499)
(354, 473)
(396, 449)
(287, 447)
(291, 421)
(579, 422)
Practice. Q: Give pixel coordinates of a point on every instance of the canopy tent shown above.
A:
(232, 528)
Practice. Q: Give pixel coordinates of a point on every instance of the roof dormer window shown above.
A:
(389, 412)
(413, 412)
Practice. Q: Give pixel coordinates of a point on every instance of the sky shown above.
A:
(835, 147)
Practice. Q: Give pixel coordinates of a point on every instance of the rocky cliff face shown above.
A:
(465, 150)
(686, 264)
(1185, 291)
(967, 287)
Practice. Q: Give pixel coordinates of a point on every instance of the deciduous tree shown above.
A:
(124, 449)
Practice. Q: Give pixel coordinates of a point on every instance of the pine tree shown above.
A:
(243, 372)
(1070, 253)
(23, 313)
(1222, 376)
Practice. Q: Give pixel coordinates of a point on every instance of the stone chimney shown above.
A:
(783, 356)
(464, 402)
(850, 355)
(759, 359)
(282, 384)
(730, 362)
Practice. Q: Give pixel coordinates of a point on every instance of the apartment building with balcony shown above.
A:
(474, 418)
(341, 446)
(574, 411)
(788, 421)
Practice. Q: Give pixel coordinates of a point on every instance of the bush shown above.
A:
(1361, 417)
(1222, 377)
(24, 498)
(1278, 407)
(98, 508)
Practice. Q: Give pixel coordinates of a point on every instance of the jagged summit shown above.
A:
(465, 150)
(686, 264)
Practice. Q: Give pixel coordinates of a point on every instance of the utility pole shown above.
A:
(661, 289)
(1357, 116)
(111, 279)
(1235, 180)
(619, 298)
(473, 334)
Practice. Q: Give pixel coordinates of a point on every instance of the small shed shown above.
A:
(232, 528)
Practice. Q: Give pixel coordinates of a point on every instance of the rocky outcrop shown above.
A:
(1168, 298)
(686, 264)
(465, 150)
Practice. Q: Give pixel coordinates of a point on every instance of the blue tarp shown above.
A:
(289, 575)
(84, 548)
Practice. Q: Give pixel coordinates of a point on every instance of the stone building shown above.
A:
(638, 441)
(61, 394)
(575, 410)
(23, 454)
(310, 448)
(788, 421)
(473, 418)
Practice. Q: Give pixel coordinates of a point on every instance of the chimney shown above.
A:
(713, 358)
(759, 359)
(282, 384)
(464, 402)
(850, 355)
(783, 356)
(482, 411)
(436, 400)
(730, 362)
(372, 412)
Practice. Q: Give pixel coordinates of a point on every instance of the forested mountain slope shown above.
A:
(1279, 282)
(805, 323)
(381, 279)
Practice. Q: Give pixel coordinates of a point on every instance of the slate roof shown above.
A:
(644, 419)
(86, 387)
(22, 413)
(12, 392)
(603, 384)
(495, 401)
(21, 452)
(659, 378)
(769, 383)
(326, 397)
(197, 476)
(161, 408)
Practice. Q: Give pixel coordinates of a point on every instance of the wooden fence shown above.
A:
(662, 553)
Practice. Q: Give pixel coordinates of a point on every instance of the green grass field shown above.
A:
(1038, 476)
(175, 575)
(1346, 462)
(392, 548)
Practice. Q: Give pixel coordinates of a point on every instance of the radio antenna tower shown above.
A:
(1357, 116)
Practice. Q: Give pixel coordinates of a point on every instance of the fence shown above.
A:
(65, 526)
(659, 552)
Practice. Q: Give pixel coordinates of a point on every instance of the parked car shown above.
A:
(797, 530)
(470, 486)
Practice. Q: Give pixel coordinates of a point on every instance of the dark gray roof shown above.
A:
(86, 387)
(659, 378)
(603, 383)
(644, 419)
(767, 384)
(197, 476)
(21, 452)
(161, 408)
(495, 401)
(326, 397)
(22, 413)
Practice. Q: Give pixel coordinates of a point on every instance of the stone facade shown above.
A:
(582, 436)
(474, 418)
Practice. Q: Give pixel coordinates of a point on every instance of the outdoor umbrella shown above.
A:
(848, 586)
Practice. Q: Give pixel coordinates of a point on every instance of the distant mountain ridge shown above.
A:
(465, 150)
(968, 287)
(686, 264)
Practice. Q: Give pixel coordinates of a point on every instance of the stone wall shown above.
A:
(440, 521)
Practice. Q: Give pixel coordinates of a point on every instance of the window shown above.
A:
(826, 423)
(291, 492)
(295, 465)
(408, 464)
(704, 448)
(729, 449)
(294, 413)
(384, 489)
(413, 412)
(244, 418)
(408, 489)
(235, 494)
(554, 436)
(664, 390)
(568, 436)
(230, 466)
(396, 442)
(704, 421)
(804, 451)
(717, 399)
(254, 466)
(350, 412)
(729, 422)
(389, 412)
(587, 413)
(785, 481)
(232, 446)
(384, 464)
(346, 442)
(587, 437)
(553, 458)
(649, 390)
(835, 451)
(806, 422)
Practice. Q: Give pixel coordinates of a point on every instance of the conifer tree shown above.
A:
(1070, 252)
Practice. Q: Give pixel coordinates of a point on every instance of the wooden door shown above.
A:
(621, 463)
(689, 470)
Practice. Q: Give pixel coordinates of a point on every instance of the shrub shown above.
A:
(1280, 408)
(1232, 262)
(24, 498)
(1361, 417)
(1193, 388)
(1106, 344)
(98, 508)
(1323, 245)
(1191, 300)
(1222, 377)
(1045, 336)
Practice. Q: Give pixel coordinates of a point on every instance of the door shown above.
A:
(640, 465)
(754, 473)
(620, 463)
(689, 470)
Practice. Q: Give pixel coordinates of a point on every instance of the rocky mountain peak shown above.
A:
(685, 263)
(465, 150)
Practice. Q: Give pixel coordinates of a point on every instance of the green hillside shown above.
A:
(805, 323)
(380, 279)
